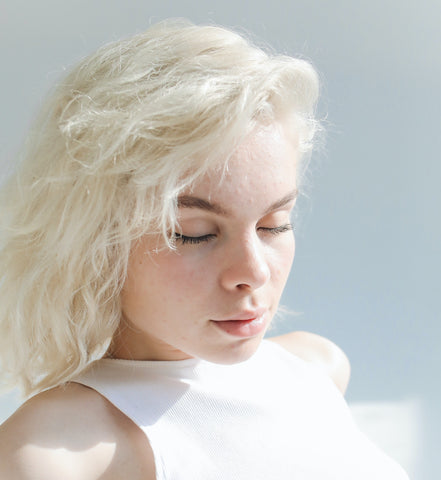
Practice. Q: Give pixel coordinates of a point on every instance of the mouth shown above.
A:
(244, 324)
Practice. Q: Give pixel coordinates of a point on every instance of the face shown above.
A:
(215, 295)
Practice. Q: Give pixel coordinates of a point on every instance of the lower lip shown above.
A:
(242, 328)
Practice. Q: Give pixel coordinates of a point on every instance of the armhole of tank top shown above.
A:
(157, 459)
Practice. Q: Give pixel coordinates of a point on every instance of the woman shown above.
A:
(147, 243)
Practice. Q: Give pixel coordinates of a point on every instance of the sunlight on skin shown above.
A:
(96, 456)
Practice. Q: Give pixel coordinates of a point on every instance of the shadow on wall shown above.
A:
(395, 427)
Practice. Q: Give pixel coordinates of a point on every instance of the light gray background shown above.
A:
(368, 262)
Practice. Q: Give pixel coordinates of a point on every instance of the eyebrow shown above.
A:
(289, 197)
(188, 201)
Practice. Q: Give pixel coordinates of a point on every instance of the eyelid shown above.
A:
(280, 229)
(185, 239)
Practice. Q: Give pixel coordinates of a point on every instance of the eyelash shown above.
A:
(206, 238)
(193, 240)
(281, 229)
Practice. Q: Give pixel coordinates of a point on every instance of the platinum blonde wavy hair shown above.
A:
(120, 137)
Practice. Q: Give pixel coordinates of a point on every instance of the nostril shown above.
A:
(242, 286)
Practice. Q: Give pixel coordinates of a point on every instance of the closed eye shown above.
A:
(287, 227)
(184, 239)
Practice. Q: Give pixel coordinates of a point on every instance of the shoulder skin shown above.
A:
(73, 433)
(319, 351)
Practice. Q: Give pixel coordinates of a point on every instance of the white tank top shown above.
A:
(272, 417)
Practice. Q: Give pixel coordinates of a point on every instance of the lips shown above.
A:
(245, 323)
(244, 315)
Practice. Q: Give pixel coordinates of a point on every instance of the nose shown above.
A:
(245, 265)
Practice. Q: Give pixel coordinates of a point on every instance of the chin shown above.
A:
(238, 352)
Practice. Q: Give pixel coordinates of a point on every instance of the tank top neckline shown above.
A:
(187, 368)
(187, 362)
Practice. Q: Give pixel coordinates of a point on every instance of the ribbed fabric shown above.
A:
(273, 417)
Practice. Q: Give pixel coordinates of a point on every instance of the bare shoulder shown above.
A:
(72, 433)
(320, 351)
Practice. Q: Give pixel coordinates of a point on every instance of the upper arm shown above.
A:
(29, 449)
(35, 461)
(319, 351)
(73, 434)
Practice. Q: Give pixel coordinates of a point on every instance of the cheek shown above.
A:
(282, 259)
(180, 276)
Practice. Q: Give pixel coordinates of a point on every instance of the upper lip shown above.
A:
(249, 314)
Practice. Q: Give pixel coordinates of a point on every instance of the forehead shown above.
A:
(267, 140)
(266, 160)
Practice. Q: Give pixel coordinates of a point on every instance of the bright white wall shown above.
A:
(368, 239)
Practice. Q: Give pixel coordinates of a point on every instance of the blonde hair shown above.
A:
(129, 128)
